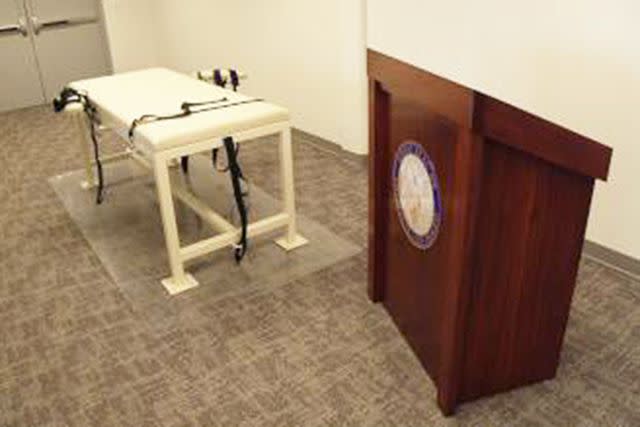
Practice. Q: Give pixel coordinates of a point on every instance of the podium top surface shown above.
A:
(492, 118)
(128, 96)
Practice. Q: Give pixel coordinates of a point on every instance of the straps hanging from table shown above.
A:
(239, 195)
(71, 96)
(220, 81)
(232, 150)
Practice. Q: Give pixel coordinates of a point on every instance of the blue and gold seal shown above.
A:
(417, 194)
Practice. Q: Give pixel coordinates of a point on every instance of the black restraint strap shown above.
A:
(236, 177)
(214, 160)
(217, 78)
(184, 163)
(232, 156)
(187, 110)
(219, 81)
(235, 80)
(70, 96)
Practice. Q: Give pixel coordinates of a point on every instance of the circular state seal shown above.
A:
(417, 194)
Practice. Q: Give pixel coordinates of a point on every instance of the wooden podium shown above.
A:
(483, 295)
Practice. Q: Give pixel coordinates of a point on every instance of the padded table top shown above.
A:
(128, 96)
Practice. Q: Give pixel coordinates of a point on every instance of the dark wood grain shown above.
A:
(486, 307)
(378, 191)
(529, 236)
(541, 138)
(444, 97)
(467, 190)
(420, 279)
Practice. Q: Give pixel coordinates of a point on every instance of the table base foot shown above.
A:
(289, 245)
(175, 286)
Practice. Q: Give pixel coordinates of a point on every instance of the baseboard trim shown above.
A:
(328, 146)
(610, 258)
(613, 259)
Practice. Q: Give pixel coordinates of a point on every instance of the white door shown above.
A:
(20, 84)
(69, 41)
(45, 44)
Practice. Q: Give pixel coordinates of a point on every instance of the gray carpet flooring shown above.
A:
(76, 351)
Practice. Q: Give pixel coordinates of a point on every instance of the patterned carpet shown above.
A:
(74, 350)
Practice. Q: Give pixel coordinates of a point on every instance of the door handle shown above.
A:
(59, 23)
(19, 28)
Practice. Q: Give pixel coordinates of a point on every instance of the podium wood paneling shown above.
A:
(485, 308)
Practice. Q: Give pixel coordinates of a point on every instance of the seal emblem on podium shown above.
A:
(417, 194)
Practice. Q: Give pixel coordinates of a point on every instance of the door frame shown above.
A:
(105, 34)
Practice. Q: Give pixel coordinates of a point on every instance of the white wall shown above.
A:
(574, 62)
(306, 55)
(132, 33)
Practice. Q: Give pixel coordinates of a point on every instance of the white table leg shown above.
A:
(179, 280)
(291, 240)
(86, 146)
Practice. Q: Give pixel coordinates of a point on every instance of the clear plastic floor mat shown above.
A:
(126, 234)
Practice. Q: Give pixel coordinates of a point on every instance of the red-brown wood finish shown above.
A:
(416, 299)
(528, 240)
(378, 148)
(540, 138)
(485, 308)
(470, 154)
